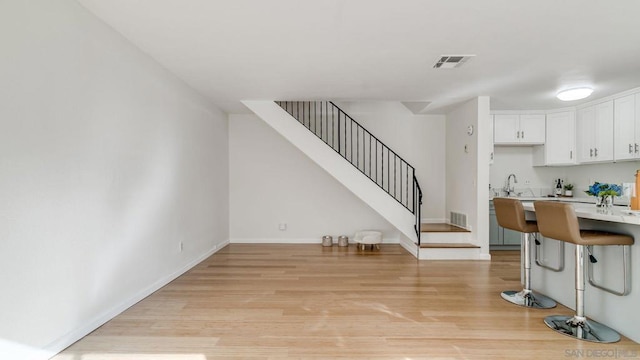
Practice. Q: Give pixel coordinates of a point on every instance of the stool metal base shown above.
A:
(528, 299)
(582, 329)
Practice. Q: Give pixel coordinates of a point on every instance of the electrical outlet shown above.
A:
(282, 226)
(527, 182)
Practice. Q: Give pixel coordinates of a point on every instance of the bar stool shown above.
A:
(510, 215)
(558, 221)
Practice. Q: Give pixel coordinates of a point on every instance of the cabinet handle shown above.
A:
(630, 149)
(595, 152)
(523, 134)
(571, 154)
(636, 147)
(590, 152)
(518, 134)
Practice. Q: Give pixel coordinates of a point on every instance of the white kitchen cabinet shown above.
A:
(519, 129)
(626, 122)
(559, 148)
(594, 128)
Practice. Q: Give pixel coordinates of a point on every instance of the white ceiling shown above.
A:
(232, 50)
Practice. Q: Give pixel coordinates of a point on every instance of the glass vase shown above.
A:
(605, 201)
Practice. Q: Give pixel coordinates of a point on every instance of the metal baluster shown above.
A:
(358, 146)
(388, 171)
(394, 176)
(370, 155)
(321, 132)
(402, 201)
(351, 140)
(382, 164)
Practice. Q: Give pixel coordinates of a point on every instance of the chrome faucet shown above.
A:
(510, 188)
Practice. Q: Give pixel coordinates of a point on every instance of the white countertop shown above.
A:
(618, 214)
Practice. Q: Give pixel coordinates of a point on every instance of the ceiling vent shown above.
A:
(451, 61)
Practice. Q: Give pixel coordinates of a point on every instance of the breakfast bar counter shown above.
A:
(616, 214)
(622, 313)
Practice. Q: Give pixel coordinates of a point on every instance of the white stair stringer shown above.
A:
(335, 165)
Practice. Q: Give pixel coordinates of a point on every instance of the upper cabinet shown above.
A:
(559, 149)
(626, 128)
(594, 129)
(519, 129)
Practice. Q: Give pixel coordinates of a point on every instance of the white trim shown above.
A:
(69, 338)
(608, 98)
(453, 254)
(299, 240)
(409, 245)
(568, 108)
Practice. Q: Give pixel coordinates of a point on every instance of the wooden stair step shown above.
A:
(449, 245)
(441, 227)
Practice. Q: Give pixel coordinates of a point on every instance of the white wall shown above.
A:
(272, 182)
(107, 162)
(467, 171)
(518, 160)
(419, 139)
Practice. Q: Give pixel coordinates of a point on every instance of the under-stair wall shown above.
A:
(332, 162)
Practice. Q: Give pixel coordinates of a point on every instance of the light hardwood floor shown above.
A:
(306, 301)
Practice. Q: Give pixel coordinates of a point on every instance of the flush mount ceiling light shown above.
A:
(574, 94)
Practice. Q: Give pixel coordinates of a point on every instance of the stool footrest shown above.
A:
(626, 265)
(541, 263)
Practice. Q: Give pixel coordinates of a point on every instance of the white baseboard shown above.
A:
(66, 340)
(409, 245)
(298, 241)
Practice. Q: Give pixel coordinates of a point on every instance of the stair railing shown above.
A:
(363, 150)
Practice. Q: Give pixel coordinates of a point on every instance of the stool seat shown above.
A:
(510, 215)
(593, 237)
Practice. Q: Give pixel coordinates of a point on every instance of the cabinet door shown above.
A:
(585, 134)
(532, 129)
(603, 135)
(494, 229)
(560, 144)
(624, 128)
(511, 237)
(505, 129)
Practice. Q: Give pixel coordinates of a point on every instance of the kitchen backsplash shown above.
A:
(518, 161)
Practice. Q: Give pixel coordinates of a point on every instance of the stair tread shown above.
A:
(441, 227)
(449, 245)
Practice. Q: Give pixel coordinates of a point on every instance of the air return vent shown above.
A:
(451, 61)
(458, 219)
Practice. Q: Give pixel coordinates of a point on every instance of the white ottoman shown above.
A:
(368, 237)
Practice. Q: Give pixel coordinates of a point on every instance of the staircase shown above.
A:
(446, 242)
(372, 170)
